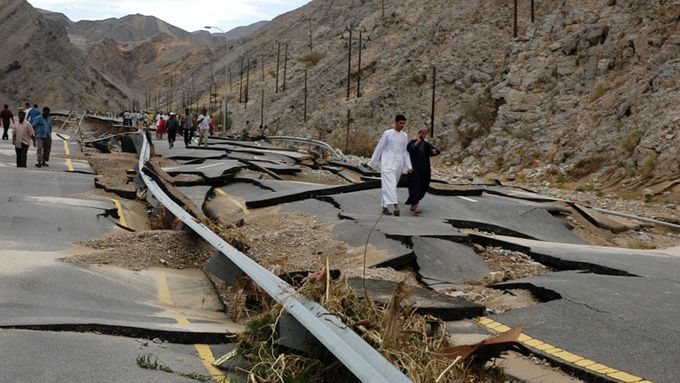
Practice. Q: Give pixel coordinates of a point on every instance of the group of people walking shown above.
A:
(187, 125)
(396, 153)
(30, 126)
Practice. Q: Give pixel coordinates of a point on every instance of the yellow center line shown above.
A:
(69, 163)
(204, 351)
(566, 356)
(121, 215)
(233, 200)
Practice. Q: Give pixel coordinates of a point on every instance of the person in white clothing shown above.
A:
(203, 122)
(393, 156)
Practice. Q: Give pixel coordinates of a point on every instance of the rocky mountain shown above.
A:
(589, 89)
(130, 28)
(39, 64)
(240, 32)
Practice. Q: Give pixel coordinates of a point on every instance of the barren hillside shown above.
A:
(39, 64)
(588, 91)
(589, 88)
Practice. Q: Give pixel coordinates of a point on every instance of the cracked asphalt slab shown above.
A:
(43, 356)
(627, 323)
(55, 314)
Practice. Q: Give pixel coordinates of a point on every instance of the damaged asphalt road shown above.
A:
(603, 310)
(66, 322)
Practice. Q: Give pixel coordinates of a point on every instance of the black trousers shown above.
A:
(4, 132)
(22, 153)
(188, 134)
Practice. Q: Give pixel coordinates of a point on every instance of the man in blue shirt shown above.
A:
(32, 113)
(42, 124)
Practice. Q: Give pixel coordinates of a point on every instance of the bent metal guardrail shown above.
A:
(302, 140)
(359, 357)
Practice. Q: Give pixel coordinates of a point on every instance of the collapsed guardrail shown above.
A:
(367, 364)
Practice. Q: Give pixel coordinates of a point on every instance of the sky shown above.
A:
(190, 15)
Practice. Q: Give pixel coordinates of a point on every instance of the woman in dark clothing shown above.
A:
(419, 180)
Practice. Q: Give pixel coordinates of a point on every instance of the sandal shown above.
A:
(386, 211)
(396, 211)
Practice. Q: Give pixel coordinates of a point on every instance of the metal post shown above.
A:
(240, 84)
(227, 79)
(247, 82)
(434, 90)
(285, 66)
(514, 24)
(305, 116)
(347, 133)
(278, 59)
(359, 70)
(532, 11)
(382, 2)
(349, 63)
(262, 97)
(311, 47)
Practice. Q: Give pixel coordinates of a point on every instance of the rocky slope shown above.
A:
(39, 64)
(589, 89)
(586, 92)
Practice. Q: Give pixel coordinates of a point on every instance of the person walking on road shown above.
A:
(419, 151)
(393, 157)
(172, 126)
(6, 116)
(203, 127)
(32, 113)
(42, 125)
(22, 136)
(189, 127)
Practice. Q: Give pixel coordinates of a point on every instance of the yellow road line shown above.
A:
(204, 351)
(233, 200)
(566, 356)
(67, 150)
(121, 215)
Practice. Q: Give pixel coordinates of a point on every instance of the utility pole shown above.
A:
(240, 84)
(309, 20)
(514, 24)
(361, 43)
(262, 97)
(247, 82)
(305, 115)
(349, 119)
(349, 59)
(285, 66)
(349, 71)
(434, 90)
(278, 59)
(532, 11)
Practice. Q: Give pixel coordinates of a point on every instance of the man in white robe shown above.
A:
(393, 156)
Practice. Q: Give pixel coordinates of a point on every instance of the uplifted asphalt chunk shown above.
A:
(210, 169)
(607, 222)
(442, 262)
(425, 301)
(599, 313)
(188, 154)
(661, 263)
(506, 217)
(408, 226)
(52, 223)
(381, 252)
(290, 191)
(278, 168)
